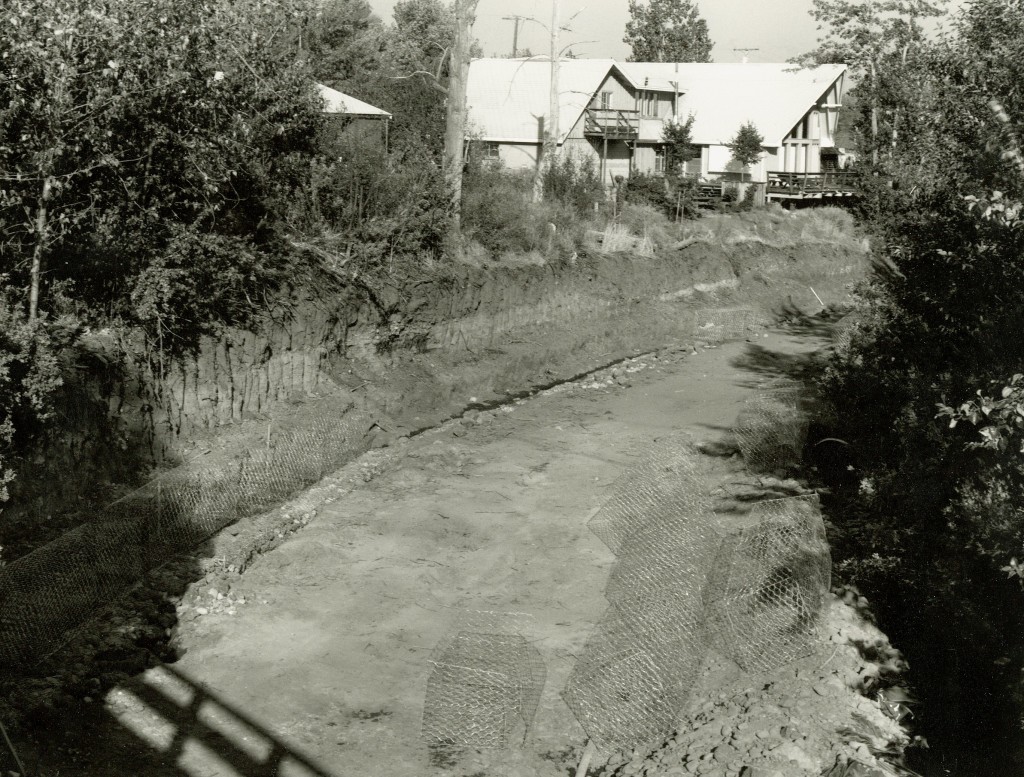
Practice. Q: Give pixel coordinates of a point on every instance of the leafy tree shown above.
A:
(343, 41)
(667, 31)
(122, 125)
(424, 37)
(747, 145)
(678, 139)
(877, 39)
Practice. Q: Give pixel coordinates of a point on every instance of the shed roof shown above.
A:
(722, 96)
(508, 99)
(339, 102)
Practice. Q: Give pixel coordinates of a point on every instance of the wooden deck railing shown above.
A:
(612, 124)
(827, 181)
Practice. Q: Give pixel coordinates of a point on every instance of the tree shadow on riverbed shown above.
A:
(769, 364)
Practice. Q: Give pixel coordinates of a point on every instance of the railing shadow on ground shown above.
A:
(165, 724)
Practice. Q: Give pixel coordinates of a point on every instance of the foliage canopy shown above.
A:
(667, 31)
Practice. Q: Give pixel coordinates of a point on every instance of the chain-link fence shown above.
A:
(59, 586)
(485, 685)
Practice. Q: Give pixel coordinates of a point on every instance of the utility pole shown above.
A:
(745, 52)
(515, 31)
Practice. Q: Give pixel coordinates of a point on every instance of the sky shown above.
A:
(777, 29)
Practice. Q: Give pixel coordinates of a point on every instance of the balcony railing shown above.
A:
(612, 124)
(826, 181)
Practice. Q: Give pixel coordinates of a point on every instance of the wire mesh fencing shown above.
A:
(56, 588)
(678, 587)
(485, 685)
(637, 668)
(769, 585)
(718, 325)
(665, 483)
(770, 429)
(845, 330)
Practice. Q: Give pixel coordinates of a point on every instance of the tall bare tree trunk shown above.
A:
(874, 114)
(551, 131)
(896, 110)
(455, 125)
(36, 270)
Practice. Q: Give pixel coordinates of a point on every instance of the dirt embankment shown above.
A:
(409, 359)
(409, 352)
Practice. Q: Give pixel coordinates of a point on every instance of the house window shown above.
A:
(606, 101)
(659, 159)
(647, 104)
(802, 131)
(481, 151)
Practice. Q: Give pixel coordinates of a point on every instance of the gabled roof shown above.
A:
(722, 96)
(508, 99)
(339, 102)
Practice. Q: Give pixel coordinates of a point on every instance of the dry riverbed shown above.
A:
(314, 661)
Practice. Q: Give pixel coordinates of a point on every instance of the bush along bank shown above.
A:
(922, 528)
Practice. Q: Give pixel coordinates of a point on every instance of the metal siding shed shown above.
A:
(336, 102)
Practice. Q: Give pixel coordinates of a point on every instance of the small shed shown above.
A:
(353, 116)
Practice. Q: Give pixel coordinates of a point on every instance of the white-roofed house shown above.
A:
(615, 112)
(353, 115)
(602, 113)
(796, 110)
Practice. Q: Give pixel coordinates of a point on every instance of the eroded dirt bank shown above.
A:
(413, 351)
(314, 660)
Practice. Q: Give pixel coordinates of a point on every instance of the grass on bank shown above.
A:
(503, 222)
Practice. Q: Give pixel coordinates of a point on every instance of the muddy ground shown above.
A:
(314, 661)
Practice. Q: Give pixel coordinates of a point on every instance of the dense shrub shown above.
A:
(368, 206)
(926, 511)
(496, 209)
(652, 190)
(674, 196)
(575, 182)
(30, 375)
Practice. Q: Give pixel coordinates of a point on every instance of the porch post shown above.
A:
(604, 158)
